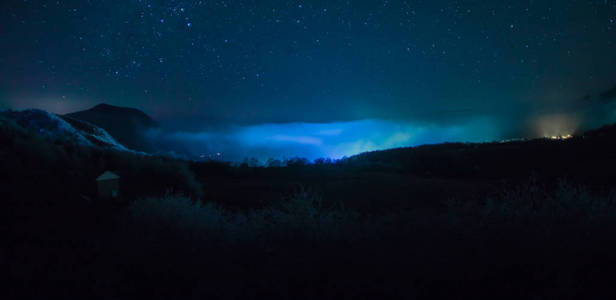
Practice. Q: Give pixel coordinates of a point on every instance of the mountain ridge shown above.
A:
(127, 125)
(56, 127)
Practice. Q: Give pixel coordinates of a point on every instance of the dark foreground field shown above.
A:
(522, 220)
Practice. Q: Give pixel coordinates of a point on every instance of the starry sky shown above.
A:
(436, 63)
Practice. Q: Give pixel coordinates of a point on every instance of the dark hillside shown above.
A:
(36, 167)
(407, 223)
(424, 176)
(127, 125)
(589, 158)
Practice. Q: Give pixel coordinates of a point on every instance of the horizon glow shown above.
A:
(333, 140)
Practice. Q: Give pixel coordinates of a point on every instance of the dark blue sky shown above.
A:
(253, 62)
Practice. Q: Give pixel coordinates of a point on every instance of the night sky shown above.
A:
(467, 70)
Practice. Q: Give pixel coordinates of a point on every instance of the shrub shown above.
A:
(304, 217)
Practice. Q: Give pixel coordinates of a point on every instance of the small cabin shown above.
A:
(108, 186)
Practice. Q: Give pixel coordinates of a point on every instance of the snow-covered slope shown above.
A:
(62, 128)
(127, 125)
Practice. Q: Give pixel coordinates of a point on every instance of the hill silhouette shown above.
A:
(62, 128)
(127, 125)
(510, 220)
(583, 157)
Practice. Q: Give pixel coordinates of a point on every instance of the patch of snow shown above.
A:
(56, 128)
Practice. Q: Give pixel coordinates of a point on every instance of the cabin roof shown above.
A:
(108, 175)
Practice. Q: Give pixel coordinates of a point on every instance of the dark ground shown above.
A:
(533, 219)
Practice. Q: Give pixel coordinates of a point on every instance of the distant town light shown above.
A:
(560, 137)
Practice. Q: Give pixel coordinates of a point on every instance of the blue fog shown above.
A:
(318, 140)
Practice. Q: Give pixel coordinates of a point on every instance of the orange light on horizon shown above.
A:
(560, 137)
(556, 126)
